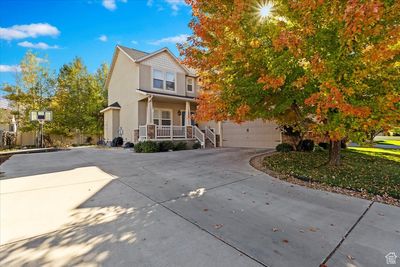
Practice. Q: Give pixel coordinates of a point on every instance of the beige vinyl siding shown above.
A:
(111, 124)
(175, 107)
(257, 134)
(180, 84)
(142, 112)
(145, 77)
(122, 89)
(108, 125)
(165, 63)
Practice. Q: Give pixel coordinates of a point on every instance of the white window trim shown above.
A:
(152, 79)
(164, 71)
(187, 84)
(171, 111)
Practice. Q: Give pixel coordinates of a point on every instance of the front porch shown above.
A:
(168, 117)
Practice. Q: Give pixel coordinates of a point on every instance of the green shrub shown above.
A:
(166, 146)
(284, 147)
(180, 146)
(324, 145)
(196, 145)
(147, 147)
(306, 145)
(317, 148)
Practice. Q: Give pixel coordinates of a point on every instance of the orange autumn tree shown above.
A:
(337, 62)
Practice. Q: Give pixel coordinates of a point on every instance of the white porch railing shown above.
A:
(170, 132)
(142, 132)
(163, 132)
(179, 131)
(199, 135)
(211, 136)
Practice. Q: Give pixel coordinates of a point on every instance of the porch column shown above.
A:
(188, 116)
(219, 137)
(150, 126)
(188, 121)
(149, 117)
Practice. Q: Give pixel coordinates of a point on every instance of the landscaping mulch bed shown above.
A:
(258, 162)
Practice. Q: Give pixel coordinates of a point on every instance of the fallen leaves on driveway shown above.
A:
(313, 229)
(350, 257)
(217, 226)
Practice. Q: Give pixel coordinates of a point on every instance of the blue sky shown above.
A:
(90, 29)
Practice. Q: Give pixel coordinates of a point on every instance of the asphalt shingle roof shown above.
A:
(115, 105)
(133, 53)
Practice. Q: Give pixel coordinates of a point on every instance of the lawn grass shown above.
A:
(390, 154)
(389, 142)
(372, 170)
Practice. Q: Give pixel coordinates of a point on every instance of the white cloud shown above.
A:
(134, 42)
(112, 4)
(175, 5)
(103, 38)
(109, 4)
(10, 68)
(39, 45)
(171, 40)
(28, 30)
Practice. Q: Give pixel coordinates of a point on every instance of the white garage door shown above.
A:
(250, 134)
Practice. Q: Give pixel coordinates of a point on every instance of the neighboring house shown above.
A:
(151, 96)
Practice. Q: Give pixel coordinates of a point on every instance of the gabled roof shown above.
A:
(165, 49)
(133, 53)
(138, 56)
(114, 105)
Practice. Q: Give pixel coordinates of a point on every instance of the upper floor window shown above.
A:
(158, 79)
(190, 84)
(163, 80)
(170, 81)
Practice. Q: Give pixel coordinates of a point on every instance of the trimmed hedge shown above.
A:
(147, 147)
(196, 145)
(166, 146)
(306, 145)
(324, 145)
(163, 146)
(180, 146)
(284, 147)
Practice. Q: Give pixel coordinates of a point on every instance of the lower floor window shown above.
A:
(162, 117)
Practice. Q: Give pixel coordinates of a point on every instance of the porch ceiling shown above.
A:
(164, 97)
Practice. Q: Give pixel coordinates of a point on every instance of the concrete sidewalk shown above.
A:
(190, 208)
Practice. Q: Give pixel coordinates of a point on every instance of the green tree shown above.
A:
(79, 98)
(33, 90)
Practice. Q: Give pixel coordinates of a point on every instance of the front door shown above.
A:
(183, 115)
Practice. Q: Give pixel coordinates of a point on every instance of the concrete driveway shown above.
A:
(91, 207)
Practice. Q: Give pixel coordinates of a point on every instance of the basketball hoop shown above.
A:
(41, 117)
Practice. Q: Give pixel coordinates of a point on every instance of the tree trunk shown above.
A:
(334, 153)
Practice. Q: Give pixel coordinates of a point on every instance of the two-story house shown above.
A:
(151, 96)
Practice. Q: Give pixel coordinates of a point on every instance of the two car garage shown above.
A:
(255, 134)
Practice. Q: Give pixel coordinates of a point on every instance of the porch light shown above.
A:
(179, 113)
